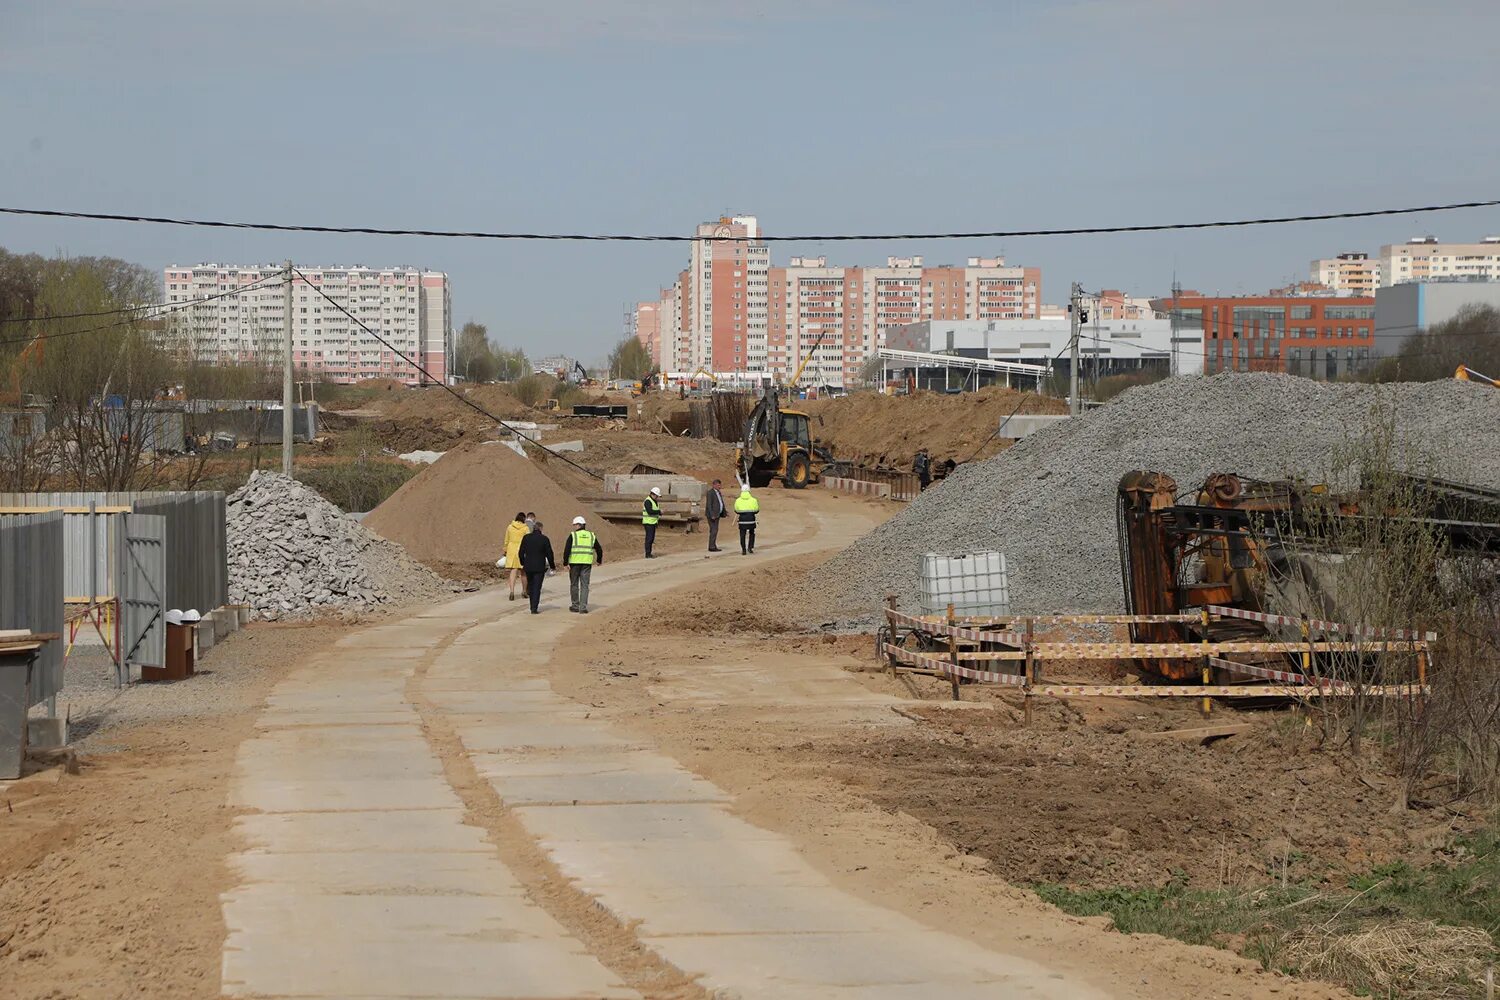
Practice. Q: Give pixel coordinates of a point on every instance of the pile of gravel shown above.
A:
(292, 554)
(1049, 501)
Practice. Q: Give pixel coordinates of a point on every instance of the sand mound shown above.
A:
(455, 511)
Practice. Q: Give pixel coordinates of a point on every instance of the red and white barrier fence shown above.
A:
(1318, 625)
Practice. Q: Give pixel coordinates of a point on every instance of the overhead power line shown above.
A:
(823, 238)
(146, 307)
(164, 309)
(437, 381)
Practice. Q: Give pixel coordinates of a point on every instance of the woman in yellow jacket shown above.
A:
(514, 532)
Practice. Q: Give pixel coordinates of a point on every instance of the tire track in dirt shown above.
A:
(608, 939)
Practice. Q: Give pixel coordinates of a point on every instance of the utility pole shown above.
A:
(1176, 294)
(286, 382)
(1075, 303)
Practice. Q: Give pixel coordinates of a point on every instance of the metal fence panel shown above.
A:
(31, 589)
(197, 545)
(143, 578)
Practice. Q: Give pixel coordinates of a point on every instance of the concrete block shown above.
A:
(204, 636)
(46, 734)
(565, 445)
(221, 625)
(858, 487)
(1020, 425)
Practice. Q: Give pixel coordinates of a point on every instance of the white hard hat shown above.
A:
(578, 519)
(656, 491)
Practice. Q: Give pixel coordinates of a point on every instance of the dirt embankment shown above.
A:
(1091, 794)
(874, 429)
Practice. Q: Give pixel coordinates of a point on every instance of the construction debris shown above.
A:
(293, 554)
(1048, 502)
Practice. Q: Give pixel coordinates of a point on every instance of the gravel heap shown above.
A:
(293, 554)
(1049, 501)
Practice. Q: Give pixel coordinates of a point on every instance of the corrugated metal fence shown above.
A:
(31, 590)
(196, 550)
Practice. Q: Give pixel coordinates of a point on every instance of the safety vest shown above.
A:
(581, 552)
(746, 504)
(650, 511)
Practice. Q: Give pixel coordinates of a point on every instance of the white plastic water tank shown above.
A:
(975, 583)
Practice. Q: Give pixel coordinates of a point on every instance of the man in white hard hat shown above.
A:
(580, 552)
(650, 517)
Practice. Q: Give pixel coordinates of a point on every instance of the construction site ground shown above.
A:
(679, 794)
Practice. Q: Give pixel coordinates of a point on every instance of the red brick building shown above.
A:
(1324, 338)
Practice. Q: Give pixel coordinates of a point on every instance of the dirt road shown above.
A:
(471, 802)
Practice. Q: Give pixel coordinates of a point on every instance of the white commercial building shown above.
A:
(1425, 259)
(1108, 347)
(408, 307)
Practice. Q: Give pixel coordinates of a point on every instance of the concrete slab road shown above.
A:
(454, 828)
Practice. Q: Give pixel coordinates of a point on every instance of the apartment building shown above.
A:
(408, 307)
(740, 314)
(647, 327)
(1317, 337)
(1351, 273)
(725, 294)
(1423, 258)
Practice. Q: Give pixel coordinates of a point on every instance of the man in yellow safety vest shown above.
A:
(580, 552)
(746, 507)
(650, 517)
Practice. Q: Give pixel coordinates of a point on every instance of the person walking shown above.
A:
(580, 552)
(536, 560)
(514, 532)
(714, 509)
(922, 466)
(650, 517)
(746, 507)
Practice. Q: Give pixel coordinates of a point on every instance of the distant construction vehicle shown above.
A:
(776, 445)
(1467, 374)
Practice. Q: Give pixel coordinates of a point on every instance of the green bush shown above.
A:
(359, 485)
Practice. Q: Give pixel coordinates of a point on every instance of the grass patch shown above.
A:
(1396, 931)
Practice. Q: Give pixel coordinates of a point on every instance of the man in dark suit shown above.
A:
(714, 509)
(536, 560)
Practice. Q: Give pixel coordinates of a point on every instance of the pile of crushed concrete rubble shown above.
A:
(292, 554)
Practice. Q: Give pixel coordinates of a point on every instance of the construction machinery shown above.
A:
(1467, 374)
(1259, 546)
(776, 445)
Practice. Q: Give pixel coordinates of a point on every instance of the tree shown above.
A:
(511, 364)
(474, 358)
(631, 360)
(1472, 337)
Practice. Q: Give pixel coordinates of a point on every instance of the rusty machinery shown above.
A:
(1240, 538)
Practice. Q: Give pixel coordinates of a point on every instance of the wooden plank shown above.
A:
(1185, 650)
(1221, 691)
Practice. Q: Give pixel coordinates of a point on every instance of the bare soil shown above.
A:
(110, 878)
(875, 429)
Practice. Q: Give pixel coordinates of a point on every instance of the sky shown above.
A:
(818, 116)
